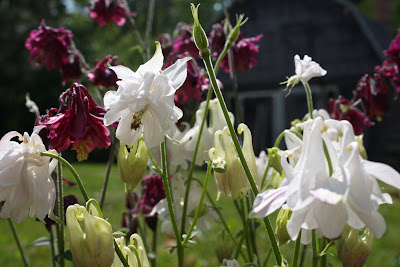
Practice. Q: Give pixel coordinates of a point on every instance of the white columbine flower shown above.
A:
(25, 183)
(305, 70)
(323, 198)
(144, 101)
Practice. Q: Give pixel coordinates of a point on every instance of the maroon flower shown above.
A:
(341, 109)
(78, 121)
(109, 11)
(394, 49)
(166, 43)
(184, 43)
(101, 75)
(152, 193)
(49, 46)
(71, 70)
(217, 38)
(374, 95)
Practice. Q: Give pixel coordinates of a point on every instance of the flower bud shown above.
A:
(360, 141)
(224, 246)
(92, 246)
(275, 158)
(135, 252)
(353, 249)
(199, 36)
(280, 228)
(132, 165)
(234, 33)
(229, 173)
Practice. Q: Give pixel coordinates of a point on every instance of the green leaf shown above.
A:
(41, 241)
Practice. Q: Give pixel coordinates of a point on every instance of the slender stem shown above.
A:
(207, 62)
(168, 194)
(322, 253)
(108, 171)
(303, 255)
(232, 74)
(154, 162)
(153, 260)
(193, 163)
(149, 24)
(239, 250)
(309, 99)
(21, 250)
(52, 249)
(296, 250)
(245, 229)
(279, 139)
(315, 256)
(265, 174)
(328, 158)
(267, 258)
(120, 255)
(199, 206)
(60, 215)
(252, 230)
(72, 170)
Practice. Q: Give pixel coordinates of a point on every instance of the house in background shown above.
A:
(336, 35)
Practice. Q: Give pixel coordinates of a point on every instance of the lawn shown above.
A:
(386, 251)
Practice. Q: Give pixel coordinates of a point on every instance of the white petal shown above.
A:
(331, 219)
(177, 72)
(122, 72)
(155, 64)
(382, 172)
(268, 202)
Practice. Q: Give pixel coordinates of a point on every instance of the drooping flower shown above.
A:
(26, 187)
(341, 109)
(91, 245)
(134, 252)
(144, 101)
(101, 75)
(78, 121)
(49, 46)
(178, 186)
(230, 263)
(305, 69)
(326, 196)
(228, 171)
(109, 11)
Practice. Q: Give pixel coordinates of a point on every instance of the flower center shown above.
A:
(137, 118)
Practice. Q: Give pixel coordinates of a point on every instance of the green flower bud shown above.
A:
(353, 249)
(360, 141)
(92, 246)
(199, 35)
(280, 228)
(132, 165)
(224, 246)
(234, 33)
(275, 159)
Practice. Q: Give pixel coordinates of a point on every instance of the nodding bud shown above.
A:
(234, 33)
(93, 245)
(199, 35)
(280, 229)
(132, 165)
(353, 249)
(224, 246)
(275, 159)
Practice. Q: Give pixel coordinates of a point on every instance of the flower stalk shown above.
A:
(21, 250)
(309, 99)
(108, 171)
(60, 226)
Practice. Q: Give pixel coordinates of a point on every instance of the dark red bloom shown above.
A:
(166, 43)
(78, 121)
(49, 46)
(101, 75)
(217, 38)
(71, 70)
(374, 93)
(185, 43)
(341, 109)
(152, 193)
(109, 11)
(394, 49)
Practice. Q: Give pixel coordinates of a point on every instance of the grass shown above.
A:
(386, 251)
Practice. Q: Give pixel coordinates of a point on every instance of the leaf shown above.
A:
(41, 241)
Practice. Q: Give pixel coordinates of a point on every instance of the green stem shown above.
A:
(60, 215)
(52, 249)
(199, 206)
(153, 260)
(265, 174)
(271, 235)
(303, 255)
(315, 256)
(72, 170)
(193, 163)
(252, 231)
(168, 194)
(328, 158)
(245, 229)
(296, 250)
(309, 99)
(21, 250)
(108, 171)
(120, 255)
(154, 162)
(322, 253)
(267, 258)
(149, 24)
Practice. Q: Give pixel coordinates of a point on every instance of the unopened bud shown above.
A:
(353, 249)
(275, 159)
(280, 229)
(224, 246)
(234, 33)
(199, 35)
(132, 165)
(93, 245)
